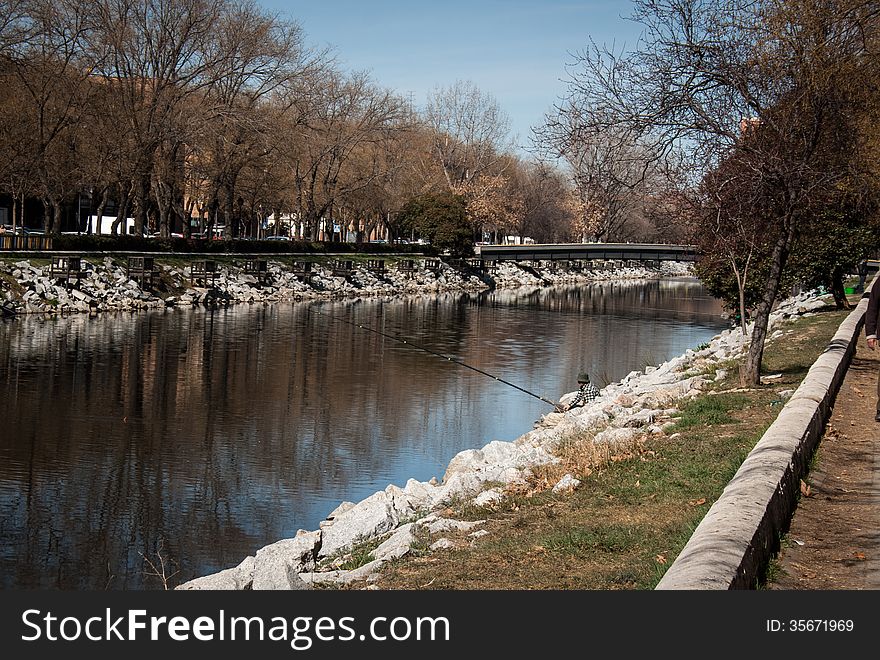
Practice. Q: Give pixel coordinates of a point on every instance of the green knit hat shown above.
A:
(583, 377)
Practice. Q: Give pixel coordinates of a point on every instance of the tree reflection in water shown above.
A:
(213, 433)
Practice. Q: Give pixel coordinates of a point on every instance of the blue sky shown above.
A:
(515, 50)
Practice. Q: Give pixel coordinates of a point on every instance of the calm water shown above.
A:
(208, 434)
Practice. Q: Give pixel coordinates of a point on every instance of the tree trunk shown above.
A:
(99, 212)
(47, 206)
(838, 290)
(56, 216)
(121, 211)
(750, 372)
(141, 203)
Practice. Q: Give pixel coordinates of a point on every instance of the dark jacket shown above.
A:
(873, 310)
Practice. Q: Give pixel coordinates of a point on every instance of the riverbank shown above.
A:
(427, 531)
(105, 285)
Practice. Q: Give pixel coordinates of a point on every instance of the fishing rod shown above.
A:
(448, 358)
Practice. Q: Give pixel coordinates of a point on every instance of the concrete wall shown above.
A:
(741, 531)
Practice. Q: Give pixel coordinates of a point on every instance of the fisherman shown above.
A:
(586, 394)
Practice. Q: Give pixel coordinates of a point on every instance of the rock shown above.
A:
(785, 395)
(277, 566)
(497, 461)
(342, 577)
(441, 544)
(238, 579)
(618, 435)
(447, 525)
(489, 497)
(397, 545)
(637, 420)
(566, 485)
(338, 511)
(375, 515)
(480, 533)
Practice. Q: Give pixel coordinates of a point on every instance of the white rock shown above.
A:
(489, 497)
(377, 514)
(278, 565)
(617, 435)
(364, 572)
(397, 545)
(238, 578)
(338, 511)
(441, 544)
(447, 525)
(567, 484)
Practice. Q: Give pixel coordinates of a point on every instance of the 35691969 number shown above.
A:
(821, 625)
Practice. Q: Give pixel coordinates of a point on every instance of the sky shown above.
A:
(515, 50)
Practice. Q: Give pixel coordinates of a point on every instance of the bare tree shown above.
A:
(47, 76)
(350, 115)
(260, 67)
(786, 67)
(157, 54)
(470, 130)
(607, 167)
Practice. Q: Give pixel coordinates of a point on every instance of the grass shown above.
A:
(359, 555)
(638, 503)
(710, 411)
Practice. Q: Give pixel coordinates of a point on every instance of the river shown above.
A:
(202, 435)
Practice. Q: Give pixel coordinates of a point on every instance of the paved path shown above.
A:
(834, 540)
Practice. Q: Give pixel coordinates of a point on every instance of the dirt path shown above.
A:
(834, 540)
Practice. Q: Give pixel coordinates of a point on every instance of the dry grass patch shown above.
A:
(580, 456)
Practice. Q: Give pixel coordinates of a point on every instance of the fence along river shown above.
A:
(205, 435)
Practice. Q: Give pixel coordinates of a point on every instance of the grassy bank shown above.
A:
(637, 504)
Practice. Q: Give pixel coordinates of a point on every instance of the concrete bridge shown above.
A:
(583, 251)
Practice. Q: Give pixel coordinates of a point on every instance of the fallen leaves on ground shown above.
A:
(805, 489)
(698, 502)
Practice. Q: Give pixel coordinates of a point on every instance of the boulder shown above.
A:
(441, 544)
(567, 484)
(618, 435)
(277, 566)
(489, 497)
(397, 545)
(364, 572)
(440, 525)
(377, 514)
(237, 579)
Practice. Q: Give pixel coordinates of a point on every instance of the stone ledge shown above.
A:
(734, 542)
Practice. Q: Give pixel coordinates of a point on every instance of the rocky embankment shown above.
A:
(105, 286)
(396, 519)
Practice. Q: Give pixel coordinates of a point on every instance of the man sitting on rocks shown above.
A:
(586, 394)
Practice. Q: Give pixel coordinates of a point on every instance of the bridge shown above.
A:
(583, 251)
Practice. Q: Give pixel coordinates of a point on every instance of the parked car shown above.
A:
(277, 238)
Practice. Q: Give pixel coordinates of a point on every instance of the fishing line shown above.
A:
(448, 358)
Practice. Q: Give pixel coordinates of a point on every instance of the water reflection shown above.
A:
(210, 434)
